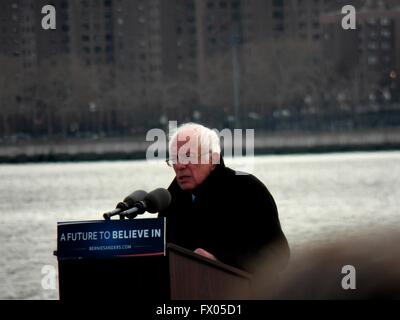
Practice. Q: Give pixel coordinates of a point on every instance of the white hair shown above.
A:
(206, 137)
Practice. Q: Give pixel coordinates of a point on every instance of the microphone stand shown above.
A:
(139, 208)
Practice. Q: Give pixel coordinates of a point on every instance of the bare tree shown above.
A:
(9, 90)
(278, 73)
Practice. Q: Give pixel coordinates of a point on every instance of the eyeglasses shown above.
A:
(192, 158)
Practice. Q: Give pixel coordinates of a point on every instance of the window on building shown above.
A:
(316, 24)
(97, 39)
(190, 6)
(236, 16)
(109, 59)
(277, 14)
(277, 3)
(108, 25)
(386, 45)
(386, 33)
(213, 41)
(372, 60)
(372, 45)
(192, 54)
(223, 4)
(235, 4)
(387, 59)
(385, 21)
(373, 34)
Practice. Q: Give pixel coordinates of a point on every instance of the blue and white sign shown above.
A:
(110, 238)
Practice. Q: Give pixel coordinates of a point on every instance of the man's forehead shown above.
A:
(187, 138)
(187, 134)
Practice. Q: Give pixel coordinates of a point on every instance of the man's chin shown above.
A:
(186, 186)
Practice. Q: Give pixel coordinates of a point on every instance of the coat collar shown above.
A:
(207, 184)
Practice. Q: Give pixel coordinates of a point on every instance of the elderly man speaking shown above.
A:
(216, 212)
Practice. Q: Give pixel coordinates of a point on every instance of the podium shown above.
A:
(142, 272)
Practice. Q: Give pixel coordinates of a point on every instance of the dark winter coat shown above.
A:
(232, 216)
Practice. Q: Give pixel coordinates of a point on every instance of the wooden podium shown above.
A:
(180, 274)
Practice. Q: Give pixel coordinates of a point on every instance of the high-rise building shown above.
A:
(53, 44)
(368, 54)
(18, 52)
(137, 45)
(116, 63)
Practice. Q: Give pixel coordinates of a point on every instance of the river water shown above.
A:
(318, 198)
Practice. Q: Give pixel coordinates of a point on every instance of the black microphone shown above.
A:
(153, 202)
(128, 203)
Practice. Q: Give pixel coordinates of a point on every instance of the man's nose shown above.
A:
(180, 166)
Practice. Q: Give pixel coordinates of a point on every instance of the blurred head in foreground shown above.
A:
(369, 268)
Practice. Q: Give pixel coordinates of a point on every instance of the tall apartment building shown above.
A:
(137, 44)
(114, 61)
(138, 61)
(91, 33)
(53, 45)
(370, 53)
(17, 60)
(228, 33)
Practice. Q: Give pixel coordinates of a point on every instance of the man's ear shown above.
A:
(215, 158)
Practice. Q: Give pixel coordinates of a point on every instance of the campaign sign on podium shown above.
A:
(110, 238)
(129, 260)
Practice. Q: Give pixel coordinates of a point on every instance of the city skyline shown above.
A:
(119, 66)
